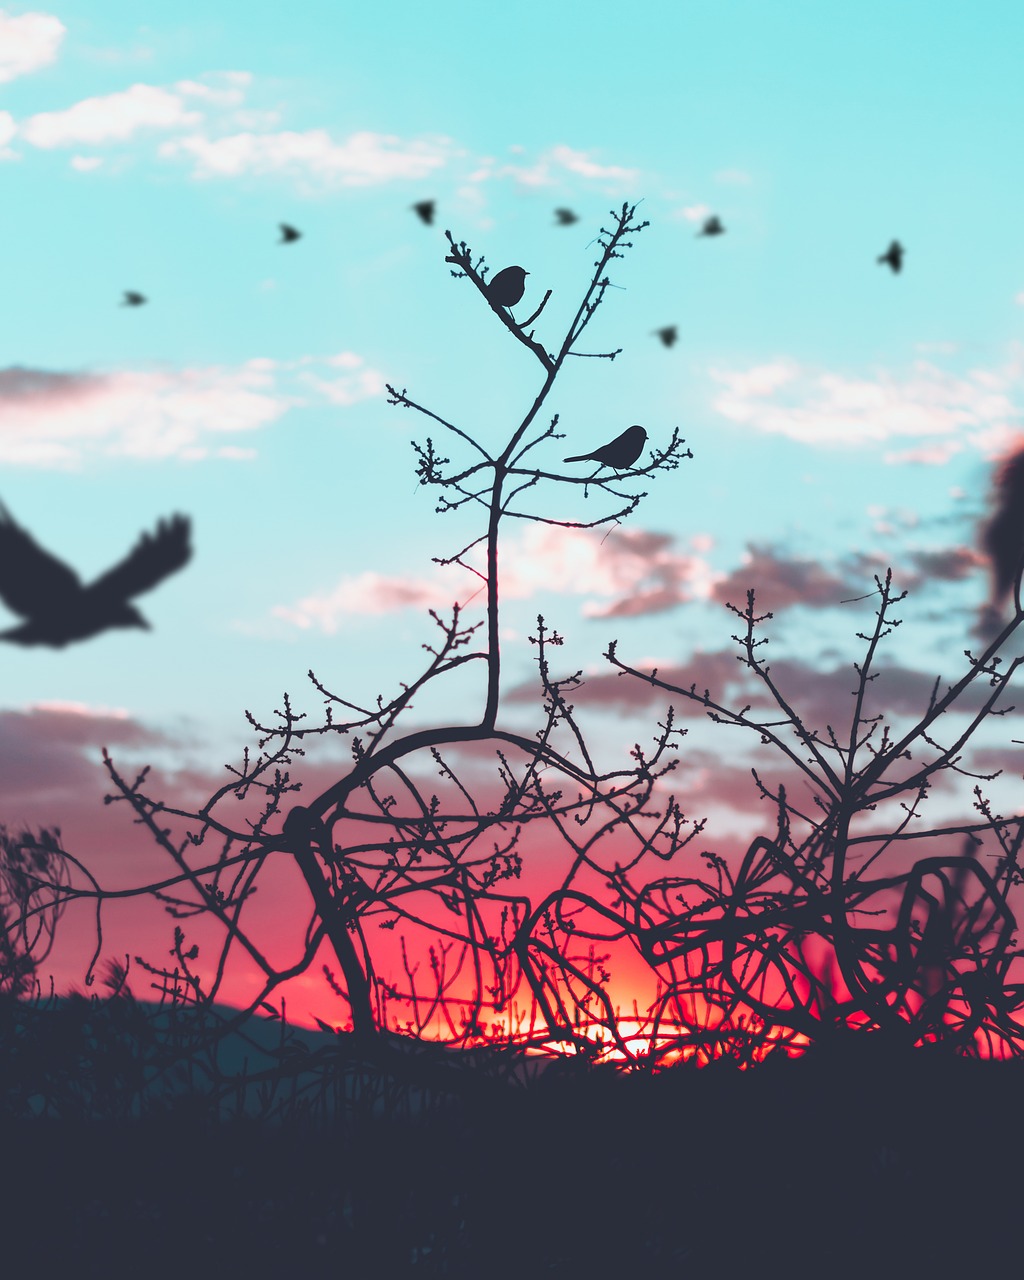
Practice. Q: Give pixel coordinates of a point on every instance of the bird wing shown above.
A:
(154, 556)
(32, 582)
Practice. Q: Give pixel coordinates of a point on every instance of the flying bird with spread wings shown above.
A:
(668, 334)
(49, 594)
(133, 299)
(566, 217)
(893, 257)
(288, 234)
(712, 226)
(425, 210)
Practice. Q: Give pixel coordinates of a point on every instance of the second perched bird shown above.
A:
(508, 286)
(619, 453)
(893, 256)
(288, 234)
(49, 594)
(425, 210)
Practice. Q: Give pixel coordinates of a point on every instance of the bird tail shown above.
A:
(579, 457)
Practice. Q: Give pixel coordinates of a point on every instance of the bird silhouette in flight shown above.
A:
(712, 226)
(1003, 540)
(49, 594)
(425, 210)
(893, 257)
(133, 299)
(566, 217)
(289, 234)
(619, 453)
(508, 286)
(668, 334)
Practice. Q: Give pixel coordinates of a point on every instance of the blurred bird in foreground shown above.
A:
(508, 286)
(712, 226)
(668, 335)
(288, 234)
(425, 210)
(619, 453)
(133, 299)
(893, 256)
(49, 594)
(1003, 541)
(566, 217)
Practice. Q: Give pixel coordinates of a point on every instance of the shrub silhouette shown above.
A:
(819, 932)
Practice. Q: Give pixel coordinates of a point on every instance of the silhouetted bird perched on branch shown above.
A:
(133, 299)
(288, 234)
(566, 217)
(1003, 539)
(508, 286)
(619, 453)
(668, 335)
(893, 256)
(712, 226)
(50, 595)
(425, 210)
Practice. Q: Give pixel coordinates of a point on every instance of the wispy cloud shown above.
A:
(782, 581)
(364, 594)
(28, 41)
(552, 168)
(361, 159)
(822, 408)
(115, 117)
(61, 419)
(631, 572)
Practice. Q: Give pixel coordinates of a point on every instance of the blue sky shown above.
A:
(841, 417)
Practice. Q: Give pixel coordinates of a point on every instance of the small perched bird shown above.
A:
(566, 217)
(49, 594)
(893, 256)
(712, 226)
(508, 286)
(619, 453)
(1003, 539)
(288, 234)
(668, 335)
(133, 299)
(425, 209)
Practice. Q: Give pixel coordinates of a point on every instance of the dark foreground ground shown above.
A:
(844, 1167)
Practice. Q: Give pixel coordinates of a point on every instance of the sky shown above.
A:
(842, 418)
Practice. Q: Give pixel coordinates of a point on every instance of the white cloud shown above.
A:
(693, 212)
(113, 118)
(85, 164)
(362, 159)
(367, 593)
(926, 403)
(60, 419)
(28, 42)
(552, 166)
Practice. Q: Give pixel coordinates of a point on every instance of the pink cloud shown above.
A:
(368, 593)
(637, 571)
(819, 407)
(61, 419)
(780, 581)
